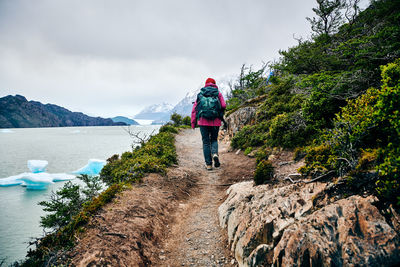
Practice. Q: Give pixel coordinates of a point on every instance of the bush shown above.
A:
(176, 119)
(187, 121)
(154, 156)
(264, 172)
(366, 135)
(68, 201)
(168, 129)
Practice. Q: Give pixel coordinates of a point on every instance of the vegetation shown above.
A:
(334, 98)
(154, 156)
(71, 208)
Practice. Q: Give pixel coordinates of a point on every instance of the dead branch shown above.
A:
(320, 177)
(293, 182)
(139, 137)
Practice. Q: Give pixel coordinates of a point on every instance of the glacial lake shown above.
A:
(66, 149)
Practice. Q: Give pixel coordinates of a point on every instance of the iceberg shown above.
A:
(11, 181)
(37, 166)
(93, 167)
(37, 179)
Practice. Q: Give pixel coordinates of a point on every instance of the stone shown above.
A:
(349, 232)
(255, 215)
(279, 226)
(238, 119)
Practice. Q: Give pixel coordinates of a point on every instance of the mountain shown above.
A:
(158, 112)
(17, 112)
(125, 120)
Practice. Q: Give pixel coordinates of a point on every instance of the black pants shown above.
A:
(209, 136)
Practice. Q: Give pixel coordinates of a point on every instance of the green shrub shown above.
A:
(264, 172)
(154, 156)
(187, 121)
(168, 128)
(176, 119)
(248, 150)
(366, 135)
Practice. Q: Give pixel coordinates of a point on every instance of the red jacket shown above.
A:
(203, 121)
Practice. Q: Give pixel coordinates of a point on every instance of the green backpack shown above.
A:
(208, 105)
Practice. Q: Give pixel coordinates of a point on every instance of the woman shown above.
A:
(207, 112)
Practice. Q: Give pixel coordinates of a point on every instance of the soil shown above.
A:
(169, 220)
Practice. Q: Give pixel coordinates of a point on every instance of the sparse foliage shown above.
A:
(328, 16)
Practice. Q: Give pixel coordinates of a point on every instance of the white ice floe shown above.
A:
(37, 166)
(11, 181)
(93, 167)
(6, 131)
(35, 180)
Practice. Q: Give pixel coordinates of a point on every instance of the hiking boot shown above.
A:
(216, 161)
(209, 167)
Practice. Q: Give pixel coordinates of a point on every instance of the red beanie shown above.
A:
(210, 80)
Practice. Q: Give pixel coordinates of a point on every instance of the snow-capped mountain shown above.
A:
(157, 112)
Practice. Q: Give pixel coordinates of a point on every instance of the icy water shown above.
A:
(66, 149)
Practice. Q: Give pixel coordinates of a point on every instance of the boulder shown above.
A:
(349, 232)
(269, 224)
(256, 215)
(240, 118)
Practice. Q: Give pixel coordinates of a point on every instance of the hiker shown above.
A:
(207, 112)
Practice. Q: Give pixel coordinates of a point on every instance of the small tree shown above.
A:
(329, 16)
(187, 121)
(67, 202)
(176, 119)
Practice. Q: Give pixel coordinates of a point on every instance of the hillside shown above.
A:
(17, 112)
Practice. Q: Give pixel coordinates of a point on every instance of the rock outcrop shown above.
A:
(279, 226)
(240, 118)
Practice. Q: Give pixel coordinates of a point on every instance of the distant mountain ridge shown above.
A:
(17, 112)
(125, 120)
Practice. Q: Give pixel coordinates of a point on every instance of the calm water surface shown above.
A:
(66, 149)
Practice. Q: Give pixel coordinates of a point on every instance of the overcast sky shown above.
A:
(108, 58)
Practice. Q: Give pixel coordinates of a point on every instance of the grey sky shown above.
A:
(109, 58)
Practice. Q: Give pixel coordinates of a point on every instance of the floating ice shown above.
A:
(75, 131)
(93, 167)
(6, 131)
(11, 181)
(37, 166)
(35, 180)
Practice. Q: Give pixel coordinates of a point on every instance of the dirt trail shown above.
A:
(167, 220)
(195, 238)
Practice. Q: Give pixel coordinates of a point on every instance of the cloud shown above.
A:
(115, 57)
